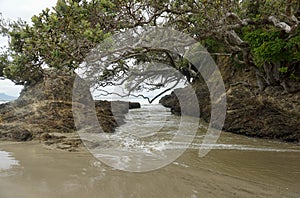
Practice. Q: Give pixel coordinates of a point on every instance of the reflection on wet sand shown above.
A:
(222, 173)
(7, 161)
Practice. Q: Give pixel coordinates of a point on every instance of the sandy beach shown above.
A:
(222, 173)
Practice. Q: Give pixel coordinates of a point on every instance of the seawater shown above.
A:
(236, 166)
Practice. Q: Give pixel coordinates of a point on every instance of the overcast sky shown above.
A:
(24, 9)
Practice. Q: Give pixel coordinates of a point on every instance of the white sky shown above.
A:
(24, 9)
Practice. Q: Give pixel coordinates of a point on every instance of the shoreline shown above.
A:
(223, 173)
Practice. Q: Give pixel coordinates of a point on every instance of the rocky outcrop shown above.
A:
(44, 112)
(272, 114)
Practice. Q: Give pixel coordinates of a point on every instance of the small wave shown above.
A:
(159, 146)
(239, 147)
(181, 164)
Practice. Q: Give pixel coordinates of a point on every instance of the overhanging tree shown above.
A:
(57, 39)
(259, 34)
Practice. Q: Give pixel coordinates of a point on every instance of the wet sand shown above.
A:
(222, 173)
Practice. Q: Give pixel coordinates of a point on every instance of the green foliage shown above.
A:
(213, 45)
(283, 69)
(266, 46)
(58, 39)
(258, 9)
(270, 46)
(293, 47)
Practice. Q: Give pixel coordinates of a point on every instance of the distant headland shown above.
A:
(5, 97)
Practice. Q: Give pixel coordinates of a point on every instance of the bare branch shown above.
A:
(241, 22)
(282, 25)
(107, 93)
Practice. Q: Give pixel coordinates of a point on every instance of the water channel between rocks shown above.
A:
(236, 166)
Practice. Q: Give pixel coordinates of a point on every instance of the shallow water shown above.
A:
(236, 166)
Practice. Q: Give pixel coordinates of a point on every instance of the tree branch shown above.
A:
(282, 25)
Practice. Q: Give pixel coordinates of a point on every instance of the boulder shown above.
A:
(272, 113)
(44, 112)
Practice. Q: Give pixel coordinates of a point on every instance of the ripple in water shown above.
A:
(147, 139)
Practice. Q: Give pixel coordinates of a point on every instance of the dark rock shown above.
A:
(271, 114)
(134, 105)
(24, 135)
(44, 111)
(182, 101)
(169, 101)
(16, 133)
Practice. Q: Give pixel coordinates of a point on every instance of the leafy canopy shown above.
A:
(59, 38)
(254, 33)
